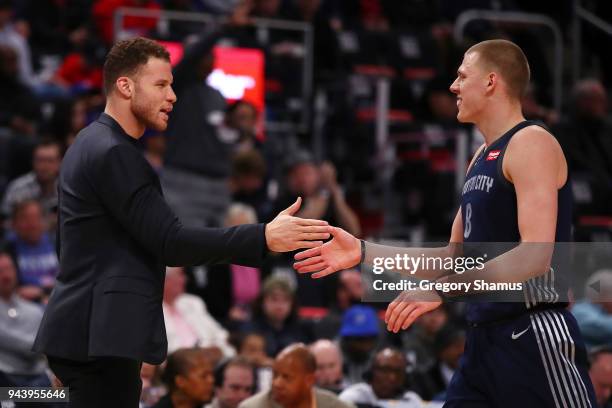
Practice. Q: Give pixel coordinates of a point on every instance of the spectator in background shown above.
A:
(585, 138)
(601, 375)
(241, 116)
(231, 289)
(39, 184)
(152, 388)
(385, 385)
(19, 108)
(56, 26)
(420, 339)
(349, 292)
(329, 366)
(188, 323)
(19, 319)
(318, 186)
(449, 344)
(12, 36)
(293, 384)
(248, 182)
(189, 378)
(79, 72)
(535, 111)
(197, 160)
(359, 337)
(33, 251)
(594, 313)
(234, 382)
(252, 348)
(275, 316)
(69, 117)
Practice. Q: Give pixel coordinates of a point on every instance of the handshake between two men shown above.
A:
(343, 251)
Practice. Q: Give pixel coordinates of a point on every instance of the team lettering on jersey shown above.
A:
(479, 182)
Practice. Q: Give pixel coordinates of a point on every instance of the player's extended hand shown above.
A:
(342, 252)
(408, 306)
(288, 233)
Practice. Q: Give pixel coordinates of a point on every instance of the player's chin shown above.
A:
(159, 124)
(461, 118)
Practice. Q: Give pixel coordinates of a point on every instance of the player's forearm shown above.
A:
(525, 261)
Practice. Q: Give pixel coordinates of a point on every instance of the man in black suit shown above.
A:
(116, 234)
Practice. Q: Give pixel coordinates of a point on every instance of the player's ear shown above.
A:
(125, 87)
(491, 81)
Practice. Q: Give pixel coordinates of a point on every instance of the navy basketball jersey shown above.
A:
(489, 214)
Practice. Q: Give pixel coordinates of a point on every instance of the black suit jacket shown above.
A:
(116, 234)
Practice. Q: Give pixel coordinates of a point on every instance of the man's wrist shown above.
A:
(266, 242)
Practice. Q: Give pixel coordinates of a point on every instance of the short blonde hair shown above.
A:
(507, 59)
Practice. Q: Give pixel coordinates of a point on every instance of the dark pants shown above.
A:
(537, 360)
(103, 382)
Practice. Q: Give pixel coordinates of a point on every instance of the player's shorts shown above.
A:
(535, 360)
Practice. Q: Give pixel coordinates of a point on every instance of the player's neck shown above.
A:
(498, 121)
(126, 119)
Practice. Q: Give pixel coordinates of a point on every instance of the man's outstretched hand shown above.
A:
(342, 252)
(287, 233)
(408, 306)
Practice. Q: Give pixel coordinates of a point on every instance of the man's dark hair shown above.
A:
(21, 206)
(232, 107)
(270, 284)
(595, 352)
(49, 142)
(126, 57)
(249, 162)
(180, 363)
(237, 361)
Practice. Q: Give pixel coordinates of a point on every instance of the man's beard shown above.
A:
(146, 113)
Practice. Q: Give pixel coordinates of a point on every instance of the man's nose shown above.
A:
(172, 96)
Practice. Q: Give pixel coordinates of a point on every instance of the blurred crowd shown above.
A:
(259, 337)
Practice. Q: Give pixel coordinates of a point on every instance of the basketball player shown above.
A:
(530, 353)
